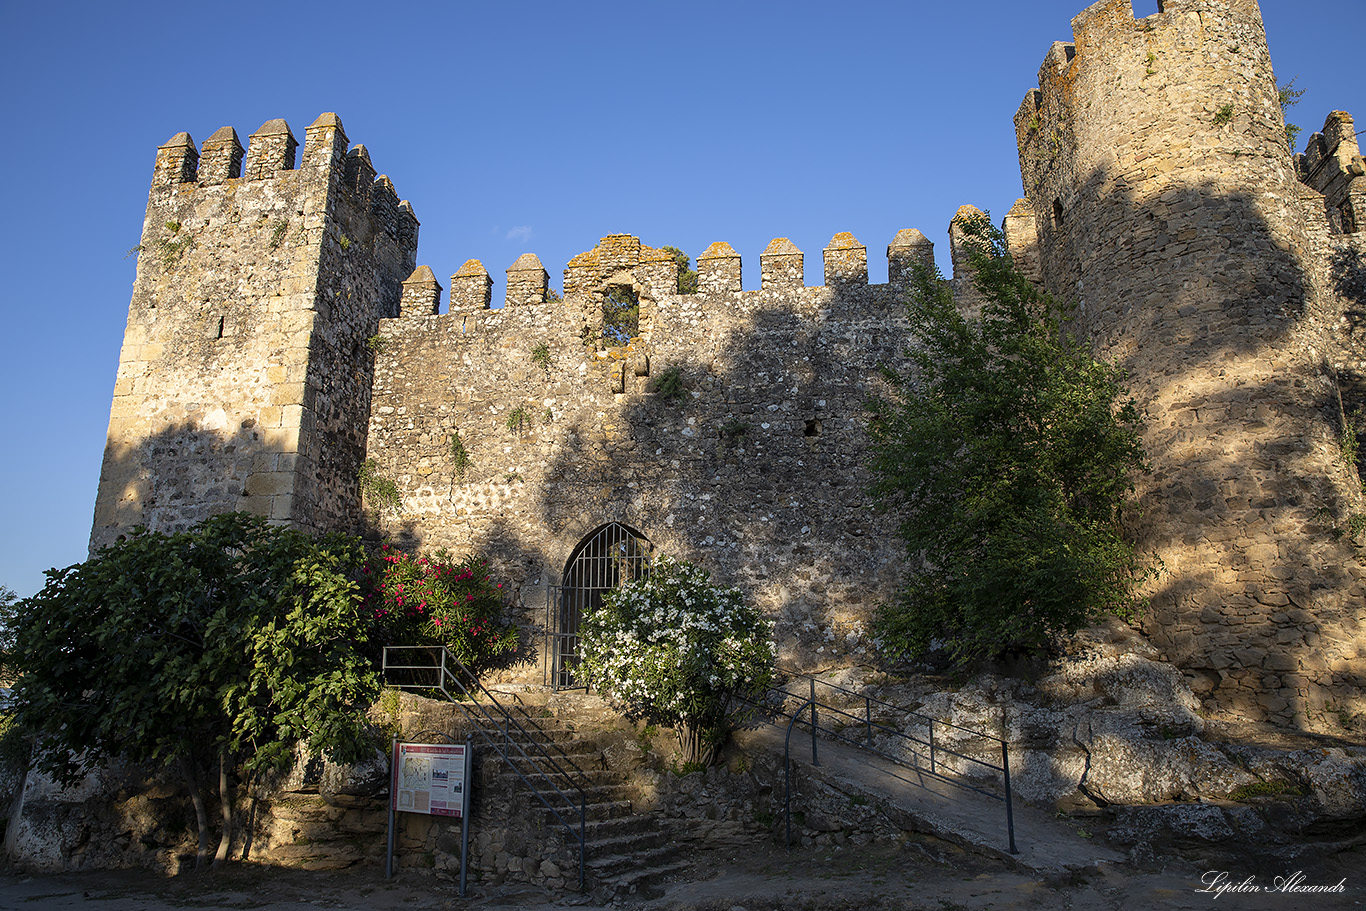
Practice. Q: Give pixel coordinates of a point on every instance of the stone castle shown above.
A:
(285, 355)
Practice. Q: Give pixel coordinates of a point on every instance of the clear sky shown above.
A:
(511, 127)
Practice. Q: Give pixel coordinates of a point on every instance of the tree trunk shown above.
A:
(225, 808)
(201, 814)
(700, 743)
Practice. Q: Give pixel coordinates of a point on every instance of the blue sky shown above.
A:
(512, 127)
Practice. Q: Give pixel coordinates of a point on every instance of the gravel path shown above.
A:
(919, 874)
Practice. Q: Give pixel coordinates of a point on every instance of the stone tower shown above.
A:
(1164, 202)
(244, 379)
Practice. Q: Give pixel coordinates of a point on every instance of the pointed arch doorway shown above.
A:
(606, 557)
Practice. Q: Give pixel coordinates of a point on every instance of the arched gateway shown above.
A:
(606, 557)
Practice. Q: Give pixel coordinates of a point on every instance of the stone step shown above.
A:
(600, 830)
(643, 881)
(564, 778)
(629, 844)
(630, 866)
(594, 812)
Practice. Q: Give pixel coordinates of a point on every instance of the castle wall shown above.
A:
(243, 381)
(1167, 207)
(755, 471)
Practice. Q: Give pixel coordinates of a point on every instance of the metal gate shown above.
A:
(608, 556)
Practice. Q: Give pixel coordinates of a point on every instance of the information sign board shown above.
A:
(430, 778)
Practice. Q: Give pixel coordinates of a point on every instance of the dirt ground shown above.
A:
(917, 875)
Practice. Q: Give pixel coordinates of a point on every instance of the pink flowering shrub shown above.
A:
(436, 600)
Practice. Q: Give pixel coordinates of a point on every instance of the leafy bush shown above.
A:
(1007, 451)
(224, 644)
(438, 601)
(677, 649)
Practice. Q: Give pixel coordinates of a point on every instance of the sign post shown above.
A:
(431, 779)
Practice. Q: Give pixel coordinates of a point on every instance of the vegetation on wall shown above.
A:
(1289, 97)
(1007, 451)
(377, 489)
(668, 386)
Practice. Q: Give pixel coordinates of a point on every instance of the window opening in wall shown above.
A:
(813, 428)
(606, 557)
(220, 326)
(620, 315)
(1057, 213)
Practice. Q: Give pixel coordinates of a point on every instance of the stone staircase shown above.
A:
(627, 850)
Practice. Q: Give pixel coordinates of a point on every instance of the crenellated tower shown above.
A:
(244, 379)
(1163, 201)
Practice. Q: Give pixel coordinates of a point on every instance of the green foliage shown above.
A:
(540, 356)
(668, 386)
(344, 242)
(620, 316)
(277, 233)
(678, 649)
(460, 456)
(437, 600)
(237, 635)
(519, 419)
(1007, 452)
(1289, 97)
(9, 613)
(1223, 115)
(375, 487)
(687, 278)
(174, 245)
(376, 343)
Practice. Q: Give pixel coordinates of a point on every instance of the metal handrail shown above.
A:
(444, 675)
(935, 750)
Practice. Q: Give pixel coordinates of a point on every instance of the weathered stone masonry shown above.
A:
(279, 335)
(244, 380)
(1165, 202)
(755, 470)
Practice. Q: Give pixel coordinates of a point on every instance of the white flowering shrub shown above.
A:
(677, 649)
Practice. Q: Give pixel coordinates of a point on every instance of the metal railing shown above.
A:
(924, 754)
(527, 754)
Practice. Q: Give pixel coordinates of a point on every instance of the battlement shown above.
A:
(272, 153)
(1116, 60)
(1331, 164)
(652, 273)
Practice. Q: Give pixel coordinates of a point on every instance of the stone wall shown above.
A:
(755, 469)
(1166, 205)
(244, 382)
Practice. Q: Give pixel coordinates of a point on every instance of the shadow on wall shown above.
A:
(181, 475)
(752, 468)
(1222, 323)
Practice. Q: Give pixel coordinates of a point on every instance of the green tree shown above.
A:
(1289, 97)
(1006, 450)
(223, 645)
(687, 277)
(620, 316)
(679, 650)
(8, 611)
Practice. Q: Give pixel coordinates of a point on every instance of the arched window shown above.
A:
(606, 557)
